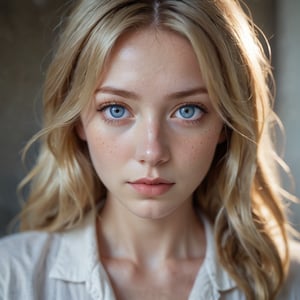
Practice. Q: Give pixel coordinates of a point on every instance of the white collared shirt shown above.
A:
(60, 266)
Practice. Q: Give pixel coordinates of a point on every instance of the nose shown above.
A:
(152, 147)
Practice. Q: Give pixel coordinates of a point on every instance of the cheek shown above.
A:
(198, 152)
(106, 151)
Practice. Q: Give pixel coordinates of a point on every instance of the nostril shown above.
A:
(152, 152)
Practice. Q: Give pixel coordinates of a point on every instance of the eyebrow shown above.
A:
(131, 95)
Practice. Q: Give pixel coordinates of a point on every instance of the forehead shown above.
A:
(162, 54)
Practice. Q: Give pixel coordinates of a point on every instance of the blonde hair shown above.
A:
(241, 192)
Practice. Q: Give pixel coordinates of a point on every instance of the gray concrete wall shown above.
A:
(26, 35)
(288, 79)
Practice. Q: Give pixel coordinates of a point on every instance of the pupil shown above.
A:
(187, 112)
(117, 111)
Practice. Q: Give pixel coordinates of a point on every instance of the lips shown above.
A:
(151, 187)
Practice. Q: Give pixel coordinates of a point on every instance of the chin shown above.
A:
(151, 211)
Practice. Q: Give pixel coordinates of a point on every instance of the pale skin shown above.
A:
(151, 119)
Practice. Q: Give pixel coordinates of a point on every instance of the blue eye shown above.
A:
(115, 111)
(189, 112)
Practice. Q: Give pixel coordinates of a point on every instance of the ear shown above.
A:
(80, 131)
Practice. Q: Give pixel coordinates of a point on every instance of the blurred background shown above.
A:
(27, 31)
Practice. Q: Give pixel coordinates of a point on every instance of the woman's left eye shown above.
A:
(189, 112)
(115, 112)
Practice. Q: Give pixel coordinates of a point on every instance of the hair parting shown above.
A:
(246, 203)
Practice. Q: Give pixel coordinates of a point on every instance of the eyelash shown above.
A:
(192, 104)
(116, 121)
(105, 106)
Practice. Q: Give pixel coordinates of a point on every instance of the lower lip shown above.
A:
(151, 190)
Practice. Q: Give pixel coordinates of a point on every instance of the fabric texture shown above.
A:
(48, 266)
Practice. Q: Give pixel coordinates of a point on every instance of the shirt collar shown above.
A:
(219, 277)
(78, 260)
(77, 252)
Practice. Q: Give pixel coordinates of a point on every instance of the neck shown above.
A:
(150, 242)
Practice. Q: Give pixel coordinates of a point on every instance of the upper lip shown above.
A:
(152, 181)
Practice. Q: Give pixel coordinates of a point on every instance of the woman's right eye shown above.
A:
(114, 112)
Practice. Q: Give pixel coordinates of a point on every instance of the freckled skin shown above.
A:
(163, 132)
(151, 142)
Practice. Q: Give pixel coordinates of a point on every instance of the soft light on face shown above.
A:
(151, 128)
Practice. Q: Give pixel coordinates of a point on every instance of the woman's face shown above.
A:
(151, 128)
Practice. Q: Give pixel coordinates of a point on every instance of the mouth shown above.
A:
(151, 187)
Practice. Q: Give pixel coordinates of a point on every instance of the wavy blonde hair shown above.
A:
(241, 192)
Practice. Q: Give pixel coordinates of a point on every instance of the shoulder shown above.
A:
(295, 259)
(291, 287)
(25, 258)
(28, 246)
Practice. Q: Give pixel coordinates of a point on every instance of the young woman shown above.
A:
(156, 177)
